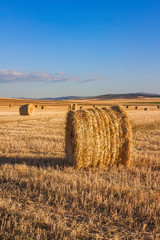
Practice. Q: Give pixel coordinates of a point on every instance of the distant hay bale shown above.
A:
(98, 137)
(27, 109)
(127, 106)
(136, 107)
(81, 107)
(43, 107)
(11, 105)
(70, 107)
(94, 106)
(74, 107)
(146, 109)
(158, 106)
(37, 106)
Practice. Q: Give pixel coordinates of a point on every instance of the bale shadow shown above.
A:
(36, 162)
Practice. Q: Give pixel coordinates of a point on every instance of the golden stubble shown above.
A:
(41, 197)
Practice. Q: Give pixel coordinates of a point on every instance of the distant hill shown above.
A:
(102, 97)
(109, 96)
(128, 96)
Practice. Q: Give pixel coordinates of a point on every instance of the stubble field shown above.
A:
(42, 197)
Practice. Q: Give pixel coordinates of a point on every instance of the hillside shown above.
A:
(128, 96)
(109, 96)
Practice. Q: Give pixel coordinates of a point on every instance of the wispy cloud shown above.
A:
(11, 76)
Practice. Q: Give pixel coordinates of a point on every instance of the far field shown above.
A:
(43, 197)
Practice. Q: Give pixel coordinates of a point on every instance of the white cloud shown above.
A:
(7, 76)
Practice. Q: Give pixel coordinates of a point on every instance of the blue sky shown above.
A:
(61, 48)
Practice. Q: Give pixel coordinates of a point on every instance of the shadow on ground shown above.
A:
(37, 162)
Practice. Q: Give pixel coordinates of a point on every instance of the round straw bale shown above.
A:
(27, 109)
(80, 107)
(146, 109)
(11, 105)
(94, 106)
(136, 107)
(127, 106)
(157, 106)
(43, 107)
(98, 137)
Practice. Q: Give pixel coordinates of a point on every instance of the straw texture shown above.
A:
(27, 109)
(98, 137)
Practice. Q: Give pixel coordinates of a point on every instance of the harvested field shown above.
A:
(43, 197)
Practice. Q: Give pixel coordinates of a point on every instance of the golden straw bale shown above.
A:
(81, 107)
(74, 107)
(157, 106)
(27, 109)
(146, 109)
(43, 107)
(11, 105)
(127, 106)
(98, 137)
(94, 106)
(136, 107)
